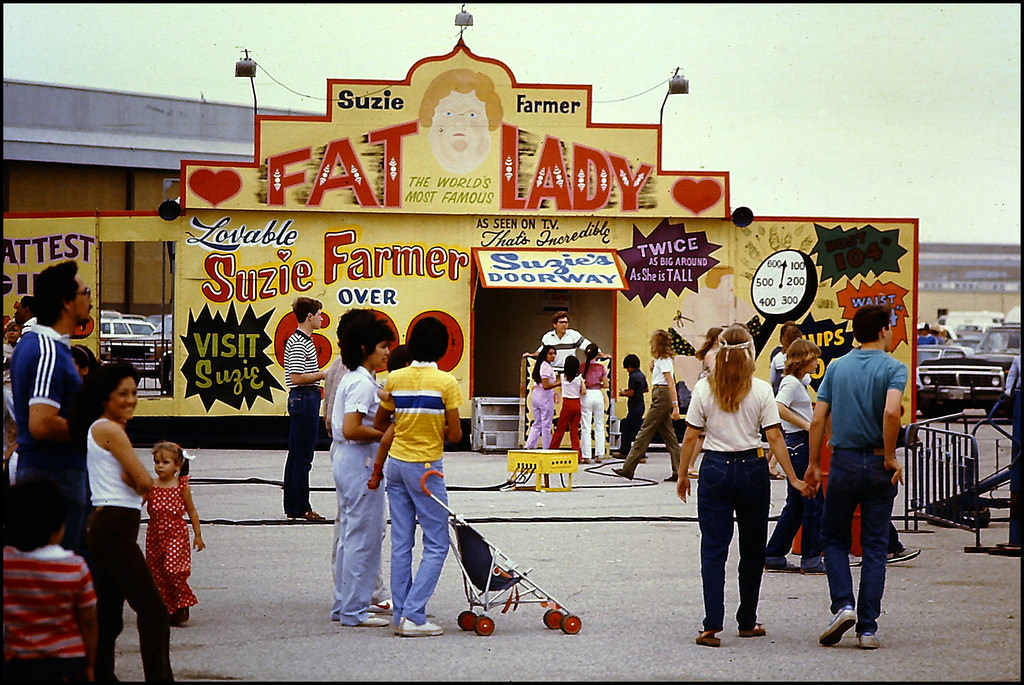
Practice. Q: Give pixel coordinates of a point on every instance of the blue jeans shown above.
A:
(360, 532)
(303, 431)
(74, 485)
(732, 482)
(857, 477)
(408, 505)
(798, 511)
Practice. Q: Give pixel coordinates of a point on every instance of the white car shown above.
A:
(133, 340)
(127, 328)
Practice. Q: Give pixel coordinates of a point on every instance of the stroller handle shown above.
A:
(423, 480)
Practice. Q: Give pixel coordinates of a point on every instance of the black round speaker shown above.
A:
(742, 216)
(169, 210)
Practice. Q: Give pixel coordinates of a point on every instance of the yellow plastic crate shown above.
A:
(543, 463)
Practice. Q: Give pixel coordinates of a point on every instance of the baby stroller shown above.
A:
(491, 579)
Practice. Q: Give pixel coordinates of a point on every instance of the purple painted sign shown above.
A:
(667, 259)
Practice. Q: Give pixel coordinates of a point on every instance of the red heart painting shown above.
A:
(696, 195)
(215, 186)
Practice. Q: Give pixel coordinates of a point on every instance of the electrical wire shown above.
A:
(630, 97)
(314, 97)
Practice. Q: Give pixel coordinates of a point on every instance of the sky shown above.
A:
(815, 110)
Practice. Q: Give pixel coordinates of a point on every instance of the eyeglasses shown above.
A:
(562, 321)
(87, 291)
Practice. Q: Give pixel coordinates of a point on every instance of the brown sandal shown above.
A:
(757, 631)
(707, 639)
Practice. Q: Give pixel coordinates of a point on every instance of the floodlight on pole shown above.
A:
(677, 85)
(245, 67)
(463, 20)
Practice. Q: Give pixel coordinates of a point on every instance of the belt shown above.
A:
(875, 451)
(741, 455)
(304, 387)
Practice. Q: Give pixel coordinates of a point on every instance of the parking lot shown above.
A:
(622, 556)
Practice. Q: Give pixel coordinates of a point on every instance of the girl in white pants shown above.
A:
(595, 377)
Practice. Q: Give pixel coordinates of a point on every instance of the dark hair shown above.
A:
(354, 316)
(400, 358)
(360, 336)
(428, 340)
(788, 333)
(542, 357)
(631, 361)
(869, 321)
(54, 286)
(96, 390)
(84, 358)
(592, 349)
(559, 315)
(304, 307)
(34, 509)
(571, 368)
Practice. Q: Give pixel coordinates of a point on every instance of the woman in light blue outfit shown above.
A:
(365, 347)
(542, 398)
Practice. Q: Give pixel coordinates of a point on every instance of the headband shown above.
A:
(724, 346)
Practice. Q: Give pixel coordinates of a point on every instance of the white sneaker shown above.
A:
(382, 607)
(372, 622)
(868, 641)
(843, 620)
(409, 629)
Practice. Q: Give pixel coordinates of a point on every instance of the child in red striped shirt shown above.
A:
(50, 623)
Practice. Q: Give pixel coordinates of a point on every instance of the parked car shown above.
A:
(163, 323)
(165, 326)
(952, 384)
(928, 352)
(133, 340)
(126, 328)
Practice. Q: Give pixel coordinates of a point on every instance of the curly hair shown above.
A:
(462, 81)
(661, 344)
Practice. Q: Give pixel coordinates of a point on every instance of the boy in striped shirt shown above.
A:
(50, 623)
(302, 375)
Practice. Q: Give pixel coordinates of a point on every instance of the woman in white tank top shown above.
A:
(119, 483)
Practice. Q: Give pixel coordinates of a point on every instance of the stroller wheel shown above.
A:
(553, 619)
(467, 620)
(484, 625)
(571, 624)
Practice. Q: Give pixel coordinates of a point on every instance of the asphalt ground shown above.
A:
(623, 556)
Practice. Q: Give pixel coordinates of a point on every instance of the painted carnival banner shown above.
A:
(31, 246)
(458, 135)
(571, 270)
(237, 273)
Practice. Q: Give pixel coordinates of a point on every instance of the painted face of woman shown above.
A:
(459, 137)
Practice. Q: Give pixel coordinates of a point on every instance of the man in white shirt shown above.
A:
(565, 340)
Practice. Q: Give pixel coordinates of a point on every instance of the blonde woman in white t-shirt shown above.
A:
(664, 408)
(731, 407)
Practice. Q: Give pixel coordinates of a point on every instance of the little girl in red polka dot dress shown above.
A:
(167, 543)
